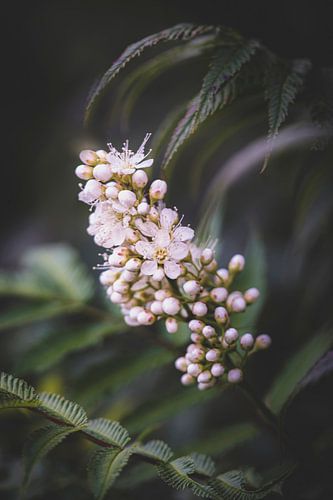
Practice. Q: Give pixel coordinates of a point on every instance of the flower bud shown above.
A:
(171, 324)
(212, 355)
(156, 308)
(146, 318)
(171, 306)
(108, 277)
(231, 335)
(84, 172)
(222, 276)
(196, 354)
(211, 267)
(134, 311)
(235, 376)
(192, 287)
(205, 376)
(162, 294)
(129, 321)
(91, 192)
(133, 264)
(208, 332)
(263, 342)
(154, 214)
(217, 370)
(112, 190)
(251, 295)
(236, 263)
(117, 298)
(187, 379)
(194, 369)
(221, 315)
(219, 294)
(117, 260)
(199, 309)
(102, 155)
(196, 326)
(207, 256)
(238, 304)
(181, 364)
(127, 198)
(143, 208)
(196, 338)
(139, 179)
(247, 341)
(102, 172)
(120, 286)
(128, 276)
(158, 189)
(202, 386)
(89, 157)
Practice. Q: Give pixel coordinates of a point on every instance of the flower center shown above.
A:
(160, 254)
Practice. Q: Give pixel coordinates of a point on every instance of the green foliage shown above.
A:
(59, 408)
(285, 385)
(109, 432)
(155, 449)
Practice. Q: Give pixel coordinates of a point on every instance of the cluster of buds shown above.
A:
(154, 270)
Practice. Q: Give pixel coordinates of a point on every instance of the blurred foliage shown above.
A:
(59, 332)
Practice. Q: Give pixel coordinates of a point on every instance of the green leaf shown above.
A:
(16, 393)
(176, 474)
(203, 464)
(232, 485)
(155, 449)
(108, 431)
(296, 368)
(283, 83)
(23, 284)
(58, 267)
(62, 410)
(25, 315)
(184, 31)
(41, 442)
(218, 89)
(55, 346)
(104, 468)
(254, 275)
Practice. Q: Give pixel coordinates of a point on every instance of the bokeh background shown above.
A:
(53, 54)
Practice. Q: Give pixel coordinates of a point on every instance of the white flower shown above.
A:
(107, 226)
(91, 192)
(127, 162)
(168, 246)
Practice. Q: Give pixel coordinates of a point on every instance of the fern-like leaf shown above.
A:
(62, 410)
(104, 468)
(184, 31)
(218, 89)
(156, 450)
(203, 464)
(283, 83)
(41, 442)
(108, 431)
(15, 388)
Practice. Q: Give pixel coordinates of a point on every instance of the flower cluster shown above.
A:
(154, 270)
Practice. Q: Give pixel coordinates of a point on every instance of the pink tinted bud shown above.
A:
(181, 364)
(134, 311)
(223, 275)
(202, 386)
(133, 264)
(217, 370)
(84, 172)
(102, 155)
(213, 355)
(187, 379)
(129, 321)
(208, 332)
(238, 304)
(143, 208)
(102, 172)
(236, 263)
(235, 376)
(171, 306)
(219, 294)
(128, 276)
(207, 256)
(196, 355)
(194, 369)
(146, 318)
(117, 298)
(192, 287)
(156, 307)
(231, 335)
(196, 338)
(112, 190)
(211, 267)
(221, 315)
(247, 341)
(263, 341)
(251, 295)
(196, 326)
(89, 157)
(171, 324)
(154, 214)
(139, 179)
(162, 294)
(205, 376)
(127, 198)
(108, 277)
(199, 309)
(120, 286)
(158, 189)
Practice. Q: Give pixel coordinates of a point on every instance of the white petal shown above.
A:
(145, 164)
(118, 207)
(146, 228)
(162, 238)
(172, 269)
(144, 248)
(183, 233)
(178, 250)
(149, 267)
(168, 218)
(118, 234)
(139, 285)
(127, 171)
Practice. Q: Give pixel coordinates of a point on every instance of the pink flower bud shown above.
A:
(196, 326)
(146, 318)
(247, 341)
(236, 263)
(102, 172)
(108, 277)
(238, 304)
(199, 309)
(112, 190)
(129, 321)
(202, 386)
(128, 276)
(212, 355)
(120, 286)
(154, 214)
(208, 332)
(187, 379)
(194, 369)
(171, 324)
(158, 189)
(91, 192)
(219, 294)
(211, 267)
(223, 276)
(156, 307)
(133, 264)
(231, 335)
(192, 287)
(196, 338)
(251, 295)
(89, 157)
(84, 172)
(171, 306)
(127, 198)
(221, 315)
(117, 298)
(205, 376)
(143, 208)
(134, 311)
(102, 155)
(235, 376)
(207, 256)
(181, 364)
(263, 341)
(197, 354)
(139, 179)
(162, 294)
(217, 370)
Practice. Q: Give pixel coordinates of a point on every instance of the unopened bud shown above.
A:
(219, 294)
(120, 286)
(196, 338)
(143, 208)
(84, 172)
(199, 309)
(217, 370)
(207, 256)
(102, 172)
(156, 307)
(247, 341)
(238, 304)
(231, 335)
(251, 295)
(171, 306)
(236, 263)
(158, 189)
(196, 326)
(133, 264)
(212, 355)
(263, 341)
(208, 332)
(211, 267)
(171, 324)
(181, 364)
(194, 369)
(146, 318)
(127, 198)
(192, 287)
(222, 276)
(89, 157)
(139, 179)
(205, 376)
(221, 315)
(235, 376)
(187, 379)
